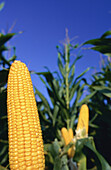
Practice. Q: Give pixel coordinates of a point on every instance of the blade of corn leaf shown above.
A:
(49, 78)
(58, 76)
(104, 165)
(79, 92)
(94, 117)
(104, 90)
(82, 163)
(72, 121)
(52, 96)
(71, 76)
(57, 163)
(86, 99)
(61, 68)
(93, 125)
(104, 49)
(4, 159)
(54, 148)
(3, 141)
(73, 64)
(99, 42)
(55, 112)
(107, 33)
(43, 115)
(73, 90)
(44, 101)
(5, 38)
(4, 149)
(82, 74)
(44, 82)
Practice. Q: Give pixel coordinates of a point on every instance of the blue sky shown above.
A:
(43, 23)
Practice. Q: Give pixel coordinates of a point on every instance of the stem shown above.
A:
(67, 75)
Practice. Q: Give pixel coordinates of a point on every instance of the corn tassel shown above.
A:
(68, 137)
(83, 121)
(24, 131)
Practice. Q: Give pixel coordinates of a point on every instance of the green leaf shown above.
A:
(57, 163)
(103, 162)
(106, 49)
(102, 44)
(61, 163)
(51, 95)
(4, 149)
(107, 33)
(82, 74)
(5, 38)
(62, 70)
(54, 148)
(64, 163)
(72, 75)
(86, 99)
(82, 163)
(44, 100)
(99, 42)
(73, 90)
(104, 90)
(79, 92)
(72, 121)
(55, 112)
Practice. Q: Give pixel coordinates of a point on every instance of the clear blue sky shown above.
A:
(43, 23)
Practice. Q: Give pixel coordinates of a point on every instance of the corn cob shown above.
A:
(68, 137)
(70, 131)
(71, 150)
(65, 136)
(24, 131)
(83, 120)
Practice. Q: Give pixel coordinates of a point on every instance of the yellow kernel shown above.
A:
(27, 158)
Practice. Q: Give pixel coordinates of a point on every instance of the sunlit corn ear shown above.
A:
(83, 121)
(71, 150)
(68, 137)
(65, 135)
(24, 130)
(70, 131)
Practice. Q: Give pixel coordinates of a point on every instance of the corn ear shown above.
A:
(70, 131)
(68, 137)
(71, 150)
(83, 121)
(65, 135)
(24, 131)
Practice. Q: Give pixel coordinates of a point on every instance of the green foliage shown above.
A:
(4, 67)
(61, 110)
(100, 110)
(102, 44)
(65, 92)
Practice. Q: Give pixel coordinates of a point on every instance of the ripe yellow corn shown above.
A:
(24, 131)
(68, 137)
(70, 131)
(65, 135)
(83, 121)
